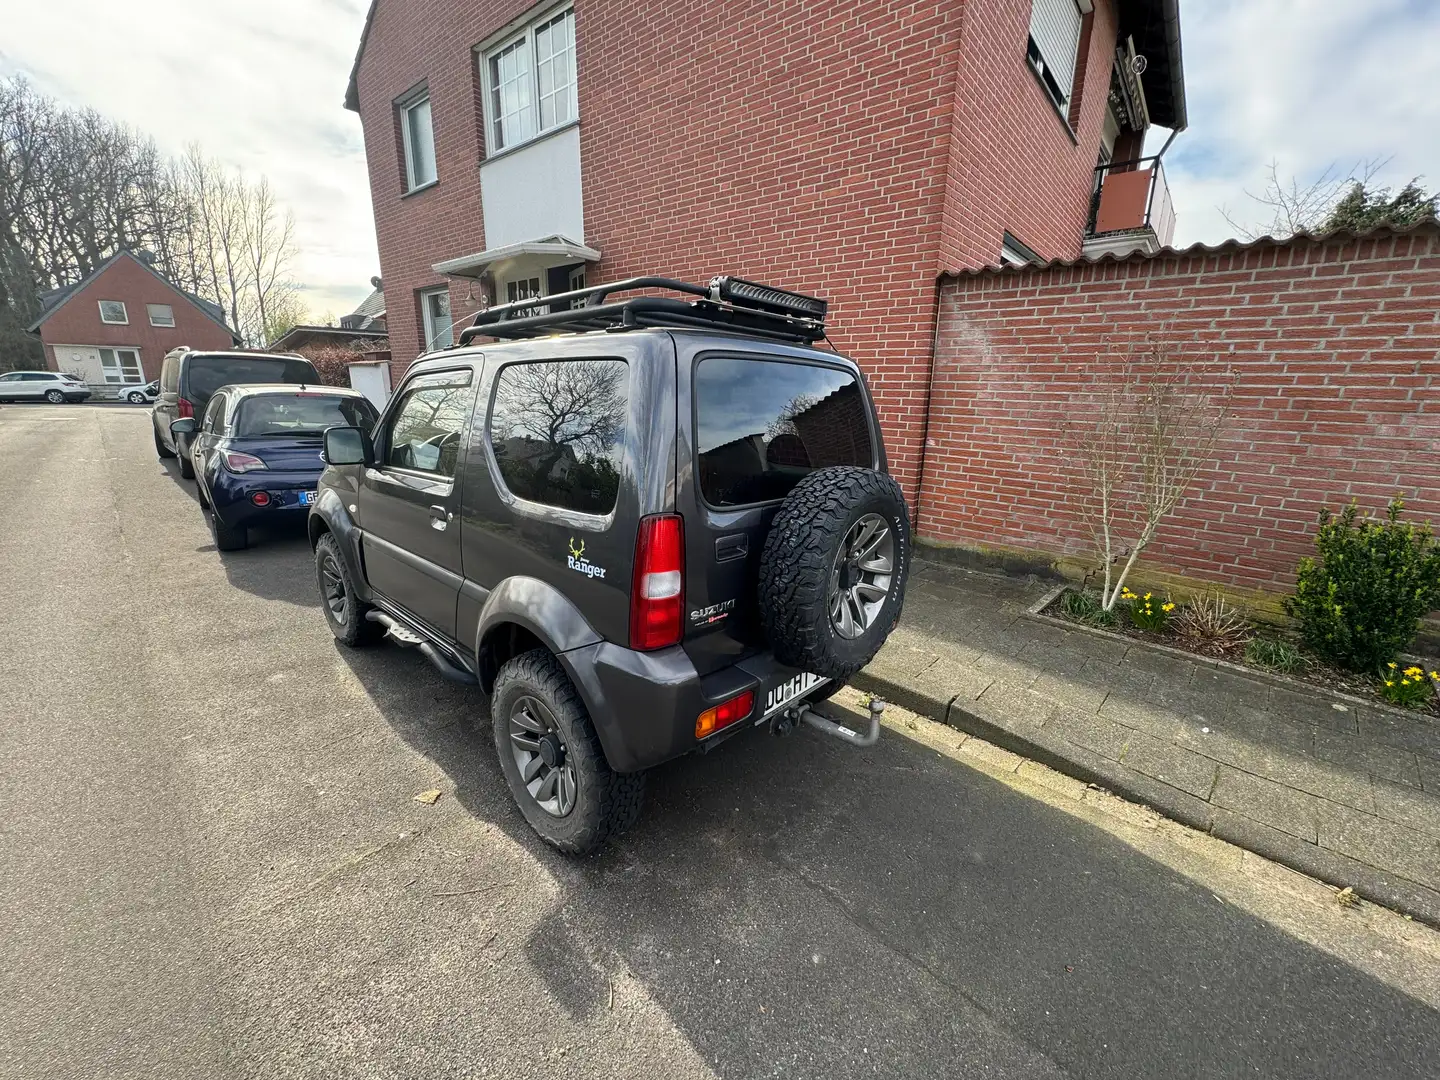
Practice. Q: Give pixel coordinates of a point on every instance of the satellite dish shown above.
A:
(1138, 64)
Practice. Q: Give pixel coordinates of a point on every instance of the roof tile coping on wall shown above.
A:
(1425, 226)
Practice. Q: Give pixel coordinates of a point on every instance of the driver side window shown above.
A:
(424, 431)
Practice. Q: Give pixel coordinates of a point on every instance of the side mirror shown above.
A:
(348, 446)
(186, 425)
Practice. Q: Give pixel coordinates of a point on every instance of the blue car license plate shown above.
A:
(307, 498)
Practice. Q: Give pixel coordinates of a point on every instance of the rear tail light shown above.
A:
(724, 714)
(184, 408)
(241, 463)
(657, 598)
(260, 498)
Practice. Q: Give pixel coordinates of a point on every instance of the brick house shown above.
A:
(116, 325)
(857, 151)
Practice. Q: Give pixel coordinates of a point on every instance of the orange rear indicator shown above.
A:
(725, 714)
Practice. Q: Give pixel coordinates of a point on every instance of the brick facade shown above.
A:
(1333, 344)
(853, 150)
(77, 320)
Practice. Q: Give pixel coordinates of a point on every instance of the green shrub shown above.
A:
(1361, 601)
(1083, 606)
(1409, 687)
(1273, 653)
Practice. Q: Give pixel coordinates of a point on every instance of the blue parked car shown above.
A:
(256, 452)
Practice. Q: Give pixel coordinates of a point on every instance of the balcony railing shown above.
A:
(1131, 195)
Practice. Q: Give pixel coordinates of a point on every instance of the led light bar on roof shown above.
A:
(744, 293)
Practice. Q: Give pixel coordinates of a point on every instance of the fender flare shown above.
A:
(329, 515)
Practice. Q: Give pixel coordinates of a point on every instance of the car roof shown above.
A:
(255, 389)
(238, 354)
(32, 371)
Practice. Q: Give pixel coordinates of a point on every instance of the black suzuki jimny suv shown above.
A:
(640, 524)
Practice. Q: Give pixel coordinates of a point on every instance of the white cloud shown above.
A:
(1305, 83)
(258, 83)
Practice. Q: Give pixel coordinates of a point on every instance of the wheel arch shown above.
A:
(329, 518)
(522, 613)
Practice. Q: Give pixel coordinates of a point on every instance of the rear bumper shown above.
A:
(230, 497)
(644, 705)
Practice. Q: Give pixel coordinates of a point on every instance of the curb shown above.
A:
(1408, 898)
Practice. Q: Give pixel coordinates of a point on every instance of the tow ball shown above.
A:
(790, 718)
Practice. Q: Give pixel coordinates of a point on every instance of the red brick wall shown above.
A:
(1015, 163)
(793, 142)
(78, 320)
(1334, 348)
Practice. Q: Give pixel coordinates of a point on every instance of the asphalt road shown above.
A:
(214, 865)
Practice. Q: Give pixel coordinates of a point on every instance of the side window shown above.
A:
(215, 414)
(170, 375)
(423, 433)
(557, 429)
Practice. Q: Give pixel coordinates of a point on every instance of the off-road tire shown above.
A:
(801, 551)
(352, 628)
(161, 451)
(226, 538)
(606, 802)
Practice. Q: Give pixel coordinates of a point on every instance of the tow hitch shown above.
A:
(787, 721)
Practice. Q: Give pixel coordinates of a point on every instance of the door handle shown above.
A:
(439, 518)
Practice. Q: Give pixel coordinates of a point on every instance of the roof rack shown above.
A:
(727, 303)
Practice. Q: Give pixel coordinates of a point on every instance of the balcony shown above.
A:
(1131, 209)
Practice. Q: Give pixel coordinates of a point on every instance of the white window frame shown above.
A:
(124, 319)
(407, 107)
(427, 321)
(526, 35)
(575, 280)
(1049, 19)
(169, 309)
(115, 375)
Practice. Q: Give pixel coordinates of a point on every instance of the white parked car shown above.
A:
(53, 386)
(139, 395)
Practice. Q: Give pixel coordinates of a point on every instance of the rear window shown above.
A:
(763, 425)
(206, 374)
(302, 414)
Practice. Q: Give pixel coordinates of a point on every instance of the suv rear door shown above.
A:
(761, 417)
(407, 504)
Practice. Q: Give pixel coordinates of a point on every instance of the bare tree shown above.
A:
(269, 251)
(1140, 436)
(1285, 208)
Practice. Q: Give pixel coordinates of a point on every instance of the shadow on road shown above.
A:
(797, 901)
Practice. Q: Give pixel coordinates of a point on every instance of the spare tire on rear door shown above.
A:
(832, 574)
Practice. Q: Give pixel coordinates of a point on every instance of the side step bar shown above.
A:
(403, 636)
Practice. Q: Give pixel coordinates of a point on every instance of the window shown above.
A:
(302, 414)
(530, 82)
(435, 312)
(763, 425)
(214, 415)
(419, 138)
(1014, 253)
(161, 314)
(113, 311)
(1054, 42)
(524, 289)
(121, 366)
(577, 278)
(206, 374)
(424, 434)
(557, 430)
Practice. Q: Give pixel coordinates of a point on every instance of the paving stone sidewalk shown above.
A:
(1346, 792)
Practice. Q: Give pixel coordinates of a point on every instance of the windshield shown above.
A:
(206, 374)
(302, 414)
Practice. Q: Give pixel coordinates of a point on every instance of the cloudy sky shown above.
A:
(1303, 82)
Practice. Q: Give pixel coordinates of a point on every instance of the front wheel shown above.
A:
(187, 467)
(344, 613)
(137, 398)
(552, 758)
(55, 397)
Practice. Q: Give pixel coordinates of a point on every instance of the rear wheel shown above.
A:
(55, 397)
(160, 448)
(552, 758)
(227, 538)
(344, 613)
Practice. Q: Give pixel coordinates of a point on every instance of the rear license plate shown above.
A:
(307, 498)
(777, 697)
